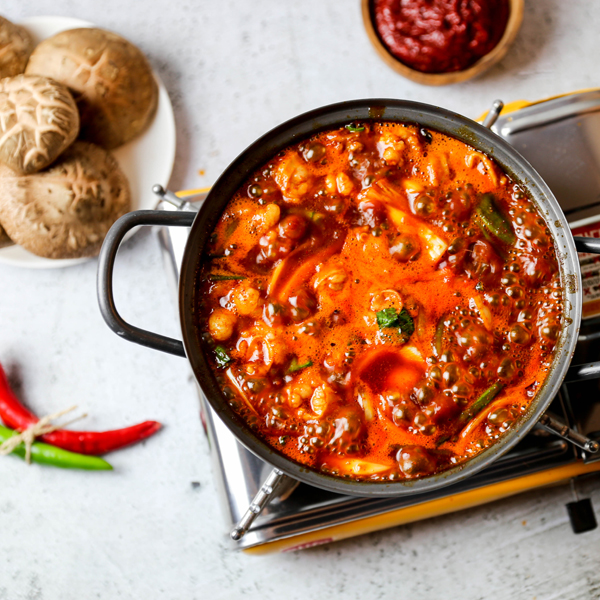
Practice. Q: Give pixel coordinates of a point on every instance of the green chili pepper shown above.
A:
(355, 128)
(494, 221)
(46, 454)
(226, 277)
(481, 402)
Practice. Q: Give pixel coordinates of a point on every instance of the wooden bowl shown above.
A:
(485, 62)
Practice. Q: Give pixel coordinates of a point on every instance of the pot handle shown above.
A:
(106, 264)
(587, 244)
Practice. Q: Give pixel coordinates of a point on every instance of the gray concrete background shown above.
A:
(234, 69)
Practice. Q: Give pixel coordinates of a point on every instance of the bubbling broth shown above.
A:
(380, 302)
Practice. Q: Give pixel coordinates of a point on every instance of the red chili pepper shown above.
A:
(16, 416)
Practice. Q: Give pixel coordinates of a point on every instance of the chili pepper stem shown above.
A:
(42, 427)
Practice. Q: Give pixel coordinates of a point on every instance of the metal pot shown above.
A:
(203, 222)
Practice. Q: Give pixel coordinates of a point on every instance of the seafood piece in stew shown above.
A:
(380, 302)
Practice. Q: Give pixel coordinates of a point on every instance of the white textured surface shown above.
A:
(234, 69)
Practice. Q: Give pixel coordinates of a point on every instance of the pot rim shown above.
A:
(329, 117)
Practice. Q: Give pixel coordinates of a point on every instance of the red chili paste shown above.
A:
(439, 36)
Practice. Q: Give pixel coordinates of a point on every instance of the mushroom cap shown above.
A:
(66, 210)
(110, 78)
(38, 120)
(15, 47)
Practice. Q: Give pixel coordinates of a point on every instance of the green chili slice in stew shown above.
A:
(481, 402)
(493, 221)
(231, 227)
(438, 340)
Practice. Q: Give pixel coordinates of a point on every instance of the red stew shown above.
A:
(439, 36)
(380, 301)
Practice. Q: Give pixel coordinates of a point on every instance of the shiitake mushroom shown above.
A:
(39, 121)
(110, 78)
(15, 47)
(66, 210)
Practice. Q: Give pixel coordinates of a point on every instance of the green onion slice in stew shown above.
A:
(222, 357)
(218, 277)
(295, 366)
(355, 128)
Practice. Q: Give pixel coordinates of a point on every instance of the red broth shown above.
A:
(380, 302)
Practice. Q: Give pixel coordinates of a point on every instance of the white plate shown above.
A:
(146, 160)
